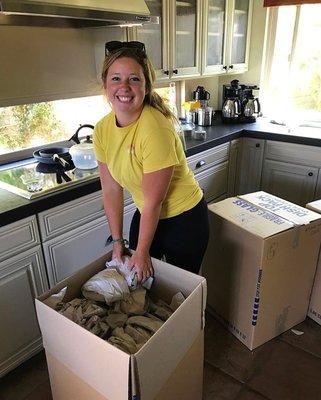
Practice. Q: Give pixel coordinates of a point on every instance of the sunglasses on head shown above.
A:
(115, 45)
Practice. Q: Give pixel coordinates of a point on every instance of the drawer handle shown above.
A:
(257, 145)
(200, 164)
(310, 173)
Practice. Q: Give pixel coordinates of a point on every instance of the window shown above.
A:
(291, 90)
(24, 128)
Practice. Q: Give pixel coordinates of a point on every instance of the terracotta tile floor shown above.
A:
(286, 368)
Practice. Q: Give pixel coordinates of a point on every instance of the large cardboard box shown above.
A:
(260, 264)
(169, 366)
(314, 311)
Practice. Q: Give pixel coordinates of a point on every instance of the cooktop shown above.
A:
(33, 180)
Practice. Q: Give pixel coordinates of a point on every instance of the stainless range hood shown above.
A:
(75, 13)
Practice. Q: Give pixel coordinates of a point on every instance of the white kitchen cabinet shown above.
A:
(174, 45)
(211, 171)
(292, 171)
(226, 30)
(295, 183)
(67, 253)
(18, 236)
(208, 158)
(213, 181)
(74, 214)
(22, 278)
(249, 166)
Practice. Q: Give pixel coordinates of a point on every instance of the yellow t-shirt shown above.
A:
(147, 145)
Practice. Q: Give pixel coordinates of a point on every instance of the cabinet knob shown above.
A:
(231, 67)
(257, 144)
(175, 71)
(225, 67)
(200, 164)
(166, 72)
(310, 173)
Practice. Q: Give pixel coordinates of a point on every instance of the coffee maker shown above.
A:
(239, 103)
(202, 96)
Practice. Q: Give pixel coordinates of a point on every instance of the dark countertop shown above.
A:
(14, 207)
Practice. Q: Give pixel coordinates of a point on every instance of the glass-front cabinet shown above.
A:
(226, 30)
(214, 27)
(174, 45)
(155, 37)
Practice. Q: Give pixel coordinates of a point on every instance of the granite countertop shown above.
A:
(14, 207)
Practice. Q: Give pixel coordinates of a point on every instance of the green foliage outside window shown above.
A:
(29, 125)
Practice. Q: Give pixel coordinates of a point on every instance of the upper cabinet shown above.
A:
(174, 45)
(226, 31)
(197, 37)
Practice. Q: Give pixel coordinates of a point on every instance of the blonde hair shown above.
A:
(151, 98)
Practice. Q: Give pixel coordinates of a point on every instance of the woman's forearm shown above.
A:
(113, 199)
(148, 224)
(114, 207)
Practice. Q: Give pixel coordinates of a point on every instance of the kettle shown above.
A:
(252, 106)
(231, 109)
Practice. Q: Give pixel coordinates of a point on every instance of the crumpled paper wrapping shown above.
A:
(108, 285)
(128, 322)
(129, 275)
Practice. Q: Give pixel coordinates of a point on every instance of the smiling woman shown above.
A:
(138, 149)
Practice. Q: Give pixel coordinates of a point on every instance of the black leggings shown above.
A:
(181, 239)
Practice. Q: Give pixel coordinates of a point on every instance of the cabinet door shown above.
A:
(185, 31)
(155, 37)
(73, 250)
(295, 183)
(235, 150)
(250, 166)
(18, 237)
(240, 35)
(214, 33)
(22, 278)
(208, 158)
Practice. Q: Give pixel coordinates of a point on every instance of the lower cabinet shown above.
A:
(210, 168)
(295, 183)
(250, 166)
(234, 157)
(22, 278)
(292, 171)
(213, 181)
(67, 253)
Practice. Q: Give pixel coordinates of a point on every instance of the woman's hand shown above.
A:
(143, 265)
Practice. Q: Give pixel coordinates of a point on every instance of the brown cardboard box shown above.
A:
(260, 264)
(314, 311)
(83, 366)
